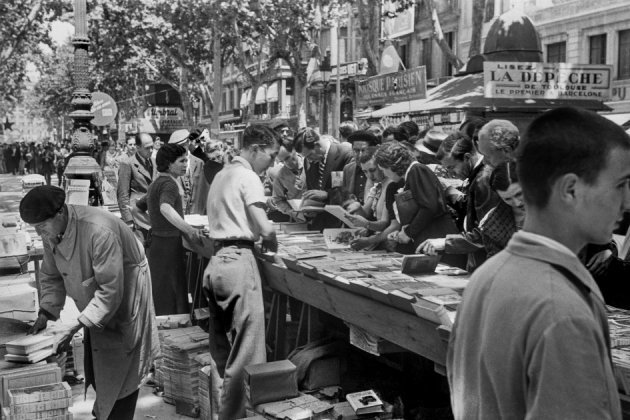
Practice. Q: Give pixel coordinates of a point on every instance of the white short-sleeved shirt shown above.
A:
(234, 189)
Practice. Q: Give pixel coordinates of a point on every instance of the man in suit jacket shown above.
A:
(194, 182)
(324, 161)
(355, 182)
(135, 174)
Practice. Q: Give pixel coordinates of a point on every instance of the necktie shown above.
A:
(322, 164)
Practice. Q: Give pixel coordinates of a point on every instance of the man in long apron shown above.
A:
(95, 258)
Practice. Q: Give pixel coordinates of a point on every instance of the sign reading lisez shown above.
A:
(392, 87)
(547, 80)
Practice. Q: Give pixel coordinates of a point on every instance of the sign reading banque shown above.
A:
(392, 87)
(547, 81)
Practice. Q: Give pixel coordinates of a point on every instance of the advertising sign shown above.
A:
(165, 118)
(515, 80)
(392, 87)
(104, 109)
(401, 24)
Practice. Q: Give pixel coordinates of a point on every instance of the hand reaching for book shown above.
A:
(40, 324)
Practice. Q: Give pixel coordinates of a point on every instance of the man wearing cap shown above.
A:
(236, 203)
(193, 183)
(355, 183)
(198, 139)
(93, 257)
(429, 145)
(135, 174)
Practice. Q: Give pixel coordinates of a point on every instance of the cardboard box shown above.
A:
(273, 381)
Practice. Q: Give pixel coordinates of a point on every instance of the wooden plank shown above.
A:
(404, 329)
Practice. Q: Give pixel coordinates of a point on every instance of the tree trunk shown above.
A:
(370, 28)
(218, 81)
(478, 9)
(438, 35)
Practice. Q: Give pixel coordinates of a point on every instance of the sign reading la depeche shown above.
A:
(392, 87)
(516, 80)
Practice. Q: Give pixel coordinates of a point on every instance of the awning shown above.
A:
(467, 93)
(261, 95)
(620, 119)
(272, 92)
(245, 98)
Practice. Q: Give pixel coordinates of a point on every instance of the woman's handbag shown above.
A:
(406, 206)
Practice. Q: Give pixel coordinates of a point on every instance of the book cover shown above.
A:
(341, 214)
(78, 191)
(365, 402)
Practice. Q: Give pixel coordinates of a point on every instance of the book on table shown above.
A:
(365, 402)
(30, 344)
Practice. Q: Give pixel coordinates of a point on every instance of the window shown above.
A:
(239, 93)
(273, 108)
(404, 55)
(290, 83)
(624, 55)
(426, 55)
(597, 49)
(557, 52)
(260, 109)
(224, 101)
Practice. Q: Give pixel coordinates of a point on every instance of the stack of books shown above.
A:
(304, 407)
(30, 349)
(179, 371)
(205, 385)
(39, 402)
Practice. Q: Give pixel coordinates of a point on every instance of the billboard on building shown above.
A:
(392, 87)
(547, 80)
(397, 23)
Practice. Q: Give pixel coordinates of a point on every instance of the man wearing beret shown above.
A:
(95, 258)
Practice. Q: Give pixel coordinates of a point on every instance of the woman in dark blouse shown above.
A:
(166, 251)
(432, 217)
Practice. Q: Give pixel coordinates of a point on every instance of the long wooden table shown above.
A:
(404, 329)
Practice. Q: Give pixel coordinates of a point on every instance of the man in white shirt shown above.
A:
(531, 336)
(237, 218)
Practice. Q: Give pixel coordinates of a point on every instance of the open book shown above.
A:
(305, 204)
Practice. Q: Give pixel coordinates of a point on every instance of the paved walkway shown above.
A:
(149, 406)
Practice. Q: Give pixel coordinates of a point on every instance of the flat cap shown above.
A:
(363, 135)
(41, 203)
(179, 136)
(433, 139)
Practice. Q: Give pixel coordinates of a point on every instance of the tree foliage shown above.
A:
(25, 24)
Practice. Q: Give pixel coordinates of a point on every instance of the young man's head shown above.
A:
(574, 166)
(144, 145)
(131, 146)
(346, 128)
(260, 147)
(314, 146)
(289, 156)
(498, 141)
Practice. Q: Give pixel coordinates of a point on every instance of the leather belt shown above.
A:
(239, 243)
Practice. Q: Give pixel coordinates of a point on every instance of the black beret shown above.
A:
(41, 203)
(365, 136)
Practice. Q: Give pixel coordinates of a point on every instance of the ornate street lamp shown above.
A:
(80, 164)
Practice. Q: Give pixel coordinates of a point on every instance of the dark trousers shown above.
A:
(124, 407)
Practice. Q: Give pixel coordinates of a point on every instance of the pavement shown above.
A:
(149, 406)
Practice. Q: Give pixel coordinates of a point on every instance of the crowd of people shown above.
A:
(526, 204)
